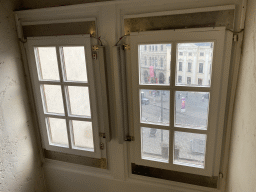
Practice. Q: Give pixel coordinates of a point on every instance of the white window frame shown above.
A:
(222, 45)
(59, 41)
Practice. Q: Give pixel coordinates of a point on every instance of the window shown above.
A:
(176, 129)
(153, 48)
(179, 79)
(180, 53)
(190, 54)
(156, 48)
(145, 47)
(200, 81)
(162, 62)
(180, 66)
(201, 67)
(145, 58)
(162, 47)
(189, 67)
(65, 92)
(201, 54)
(156, 62)
(149, 48)
(189, 80)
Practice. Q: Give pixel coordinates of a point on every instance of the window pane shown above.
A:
(47, 63)
(155, 106)
(83, 136)
(189, 149)
(53, 102)
(155, 144)
(197, 60)
(75, 64)
(57, 131)
(191, 109)
(155, 66)
(79, 101)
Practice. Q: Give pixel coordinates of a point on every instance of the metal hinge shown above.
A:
(220, 175)
(235, 37)
(103, 135)
(126, 47)
(129, 138)
(101, 146)
(95, 47)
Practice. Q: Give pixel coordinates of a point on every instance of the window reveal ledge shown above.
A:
(81, 160)
(175, 176)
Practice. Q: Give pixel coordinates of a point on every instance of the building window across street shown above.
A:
(180, 66)
(201, 67)
(189, 67)
(188, 80)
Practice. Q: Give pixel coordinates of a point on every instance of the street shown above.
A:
(191, 111)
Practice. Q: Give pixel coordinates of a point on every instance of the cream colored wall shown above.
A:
(20, 169)
(242, 163)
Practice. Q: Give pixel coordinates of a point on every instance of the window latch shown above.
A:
(101, 146)
(126, 47)
(95, 48)
(103, 135)
(129, 138)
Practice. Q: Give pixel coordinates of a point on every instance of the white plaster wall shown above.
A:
(242, 163)
(20, 168)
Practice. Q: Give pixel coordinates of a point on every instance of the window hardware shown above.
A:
(221, 175)
(101, 146)
(235, 37)
(95, 48)
(103, 135)
(129, 138)
(126, 47)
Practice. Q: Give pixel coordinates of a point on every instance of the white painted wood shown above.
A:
(111, 17)
(212, 35)
(183, 11)
(57, 21)
(243, 13)
(80, 40)
(235, 63)
(222, 103)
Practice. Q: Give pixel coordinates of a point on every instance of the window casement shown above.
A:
(63, 79)
(180, 128)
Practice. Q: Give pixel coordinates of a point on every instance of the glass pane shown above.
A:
(79, 101)
(155, 106)
(194, 63)
(53, 99)
(83, 136)
(47, 63)
(75, 65)
(155, 144)
(189, 149)
(58, 131)
(191, 109)
(154, 63)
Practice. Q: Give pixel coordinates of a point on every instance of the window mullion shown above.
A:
(64, 95)
(172, 92)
